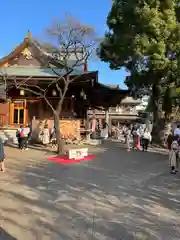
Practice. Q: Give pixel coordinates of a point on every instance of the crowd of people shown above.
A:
(137, 137)
(47, 136)
(23, 135)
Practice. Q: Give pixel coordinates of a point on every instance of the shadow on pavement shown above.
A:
(37, 147)
(118, 196)
(5, 236)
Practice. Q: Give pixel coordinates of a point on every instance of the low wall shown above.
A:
(70, 128)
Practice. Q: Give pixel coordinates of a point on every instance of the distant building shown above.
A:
(125, 111)
(143, 104)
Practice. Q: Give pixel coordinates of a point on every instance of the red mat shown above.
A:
(64, 159)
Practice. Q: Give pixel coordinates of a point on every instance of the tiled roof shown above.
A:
(33, 71)
(129, 100)
(42, 52)
(113, 86)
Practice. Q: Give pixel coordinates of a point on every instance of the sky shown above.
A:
(36, 15)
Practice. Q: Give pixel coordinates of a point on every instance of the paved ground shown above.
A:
(119, 195)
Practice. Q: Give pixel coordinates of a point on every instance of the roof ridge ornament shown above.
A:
(28, 35)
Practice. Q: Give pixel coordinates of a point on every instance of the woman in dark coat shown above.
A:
(2, 155)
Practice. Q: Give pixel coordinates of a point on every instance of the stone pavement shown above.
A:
(120, 195)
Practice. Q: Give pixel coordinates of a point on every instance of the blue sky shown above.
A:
(18, 16)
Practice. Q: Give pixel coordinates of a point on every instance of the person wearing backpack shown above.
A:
(21, 137)
(18, 138)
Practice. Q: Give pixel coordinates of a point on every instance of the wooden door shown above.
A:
(18, 113)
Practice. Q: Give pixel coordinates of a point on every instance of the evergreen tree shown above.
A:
(144, 37)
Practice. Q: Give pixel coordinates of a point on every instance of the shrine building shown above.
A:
(27, 62)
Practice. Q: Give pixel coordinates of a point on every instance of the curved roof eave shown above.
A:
(26, 42)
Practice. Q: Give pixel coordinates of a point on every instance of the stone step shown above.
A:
(8, 135)
(94, 142)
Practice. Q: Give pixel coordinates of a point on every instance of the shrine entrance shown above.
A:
(18, 113)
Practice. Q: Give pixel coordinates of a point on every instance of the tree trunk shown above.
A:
(60, 142)
(156, 114)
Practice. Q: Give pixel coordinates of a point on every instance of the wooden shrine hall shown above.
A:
(20, 107)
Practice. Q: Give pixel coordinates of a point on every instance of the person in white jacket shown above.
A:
(174, 156)
(146, 139)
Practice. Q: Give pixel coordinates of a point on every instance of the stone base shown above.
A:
(94, 142)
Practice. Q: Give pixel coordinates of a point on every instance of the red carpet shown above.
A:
(64, 159)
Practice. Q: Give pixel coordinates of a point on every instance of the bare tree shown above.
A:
(66, 40)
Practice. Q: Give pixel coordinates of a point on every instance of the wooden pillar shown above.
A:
(107, 116)
(88, 127)
(11, 114)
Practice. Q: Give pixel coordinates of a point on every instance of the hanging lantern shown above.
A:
(83, 94)
(54, 93)
(22, 92)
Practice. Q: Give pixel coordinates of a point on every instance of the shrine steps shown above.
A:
(8, 135)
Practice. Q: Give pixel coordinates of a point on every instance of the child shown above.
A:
(2, 155)
(173, 155)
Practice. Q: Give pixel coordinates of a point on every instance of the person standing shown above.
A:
(104, 132)
(53, 138)
(177, 131)
(169, 141)
(136, 138)
(128, 139)
(141, 132)
(45, 135)
(2, 155)
(174, 156)
(26, 136)
(18, 138)
(20, 134)
(146, 139)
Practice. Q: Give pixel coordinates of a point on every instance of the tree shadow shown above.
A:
(37, 147)
(5, 235)
(154, 148)
(117, 196)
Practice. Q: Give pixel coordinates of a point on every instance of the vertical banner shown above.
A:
(93, 124)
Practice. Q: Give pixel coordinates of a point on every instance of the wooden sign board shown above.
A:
(78, 153)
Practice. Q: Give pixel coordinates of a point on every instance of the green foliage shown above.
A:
(144, 37)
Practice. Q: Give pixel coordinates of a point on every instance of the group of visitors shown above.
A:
(137, 137)
(23, 135)
(47, 136)
(173, 144)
